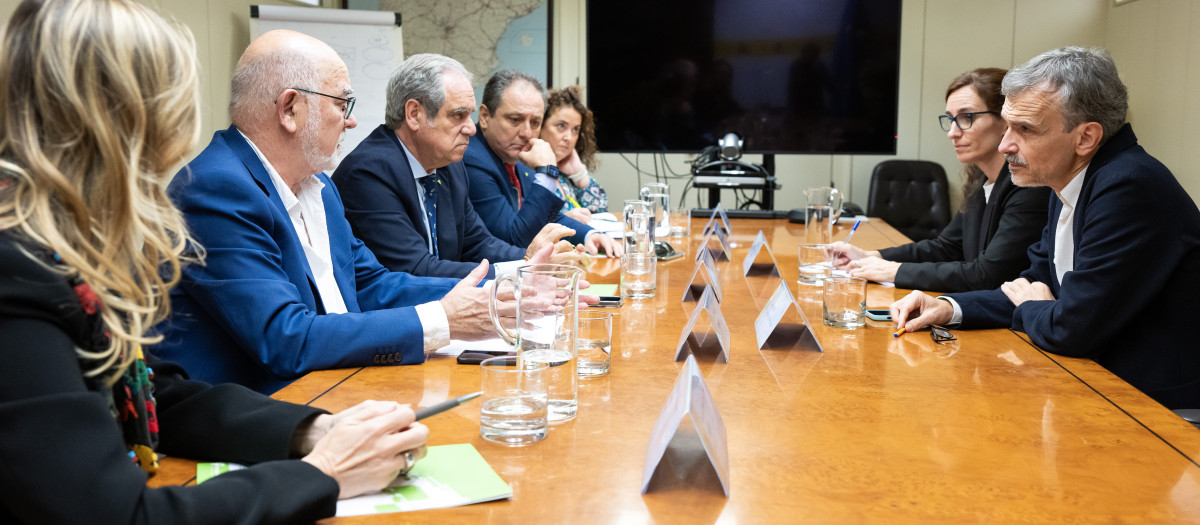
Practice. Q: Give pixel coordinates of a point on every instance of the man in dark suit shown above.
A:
(405, 187)
(1118, 266)
(514, 200)
(285, 287)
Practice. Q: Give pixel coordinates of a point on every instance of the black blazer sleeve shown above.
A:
(63, 460)
(935, 267)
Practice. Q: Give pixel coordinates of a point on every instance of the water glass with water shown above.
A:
(514, 408)
(639, 264)
(815, 264)
(660, 204)
(824, 208)
(547, 321)
(594, 343)
(653, 187)
(844, 302)
(680, 222)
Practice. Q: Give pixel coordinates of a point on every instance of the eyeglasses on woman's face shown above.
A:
(962, 120)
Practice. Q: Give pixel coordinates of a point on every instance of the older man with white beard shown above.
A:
(285, 287)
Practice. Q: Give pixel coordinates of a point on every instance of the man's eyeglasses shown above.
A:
(346, 108)
(962, 120)
(940, 334)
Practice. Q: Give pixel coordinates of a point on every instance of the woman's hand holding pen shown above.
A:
(366, 446)
(844, 254)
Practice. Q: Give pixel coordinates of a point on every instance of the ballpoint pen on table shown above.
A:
(848, 236)
(445, 405)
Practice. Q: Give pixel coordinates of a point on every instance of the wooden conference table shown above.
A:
(987, 428)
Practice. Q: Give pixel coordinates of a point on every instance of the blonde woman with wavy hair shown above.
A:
(98, 102)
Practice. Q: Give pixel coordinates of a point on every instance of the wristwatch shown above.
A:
(548, 170)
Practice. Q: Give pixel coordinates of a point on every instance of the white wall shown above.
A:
(1156, 44)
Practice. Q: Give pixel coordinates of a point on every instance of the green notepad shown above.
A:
(601, 289)
(448, 476)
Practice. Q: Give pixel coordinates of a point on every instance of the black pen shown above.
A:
(445, 405)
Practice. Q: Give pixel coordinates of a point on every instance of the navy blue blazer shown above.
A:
(382, 205)
(251, 313)
(1127, 303)
(982, 247)
(495, 199)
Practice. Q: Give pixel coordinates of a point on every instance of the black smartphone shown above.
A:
(611, 301)
(474, 357)
(879, 315)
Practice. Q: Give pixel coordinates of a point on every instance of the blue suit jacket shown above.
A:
(1127, 303)
(495, 199)
(382, 205)
(251, 313)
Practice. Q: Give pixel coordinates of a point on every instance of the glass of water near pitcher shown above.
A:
(639, 264)
(547, 326)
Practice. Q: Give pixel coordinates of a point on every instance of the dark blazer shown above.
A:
(382, 205)
(982, 247)
(1127, 303)
(251, 314)
(495, 199)
(63, 454)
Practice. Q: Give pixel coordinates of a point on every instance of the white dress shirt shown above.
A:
(307, 212)
(1064, 232)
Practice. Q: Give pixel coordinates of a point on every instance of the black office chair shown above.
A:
(912, 196)
(1191, 415)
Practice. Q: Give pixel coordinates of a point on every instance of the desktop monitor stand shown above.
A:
(717, 176)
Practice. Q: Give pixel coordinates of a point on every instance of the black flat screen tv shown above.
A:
(788, 76)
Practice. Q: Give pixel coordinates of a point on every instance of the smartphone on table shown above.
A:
(876, 314)
(474, 357)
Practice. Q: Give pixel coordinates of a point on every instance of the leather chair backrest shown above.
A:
(912, 196)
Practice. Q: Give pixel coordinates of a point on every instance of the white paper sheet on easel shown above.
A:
(690, 396)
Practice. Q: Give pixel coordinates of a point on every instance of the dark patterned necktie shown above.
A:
(431, 183)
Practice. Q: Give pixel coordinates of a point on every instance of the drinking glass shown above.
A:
(639, 264)
(514, 407)
(824, 208)
(680, 222)
(653, 187)
(547, 326)
(844, 302)
(594, 343)
(815, 264)
(661, 208)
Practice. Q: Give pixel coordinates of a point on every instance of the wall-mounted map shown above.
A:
(485, 35)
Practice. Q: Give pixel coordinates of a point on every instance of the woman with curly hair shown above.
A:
(569, 128)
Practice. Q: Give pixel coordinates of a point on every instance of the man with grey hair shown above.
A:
(1117, 269)
(514, 199)
(405, 188)
(285, 288)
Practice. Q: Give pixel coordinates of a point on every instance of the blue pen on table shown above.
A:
(848, 236)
